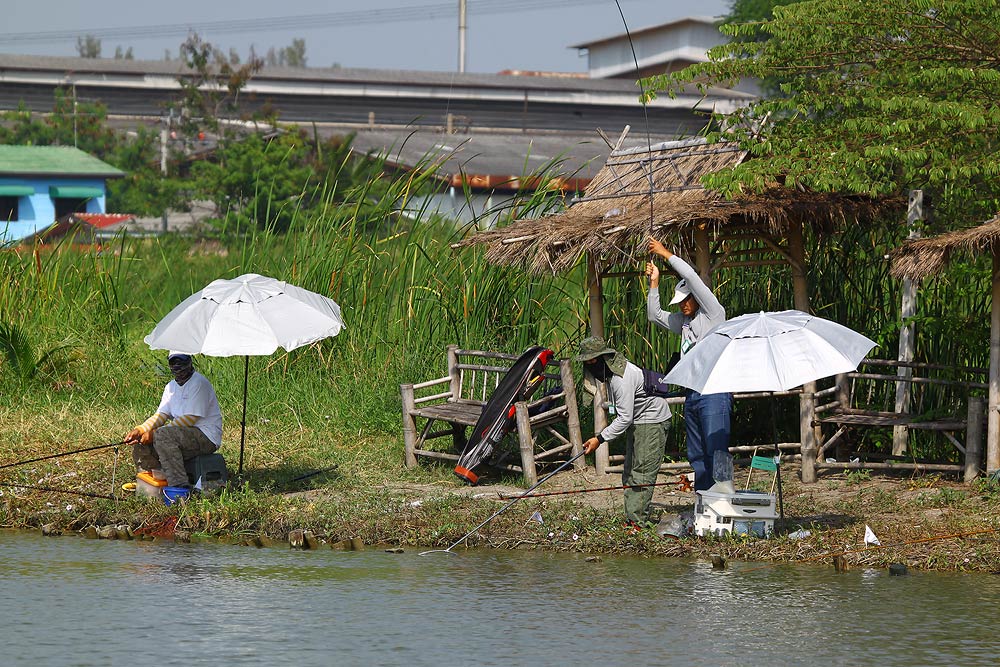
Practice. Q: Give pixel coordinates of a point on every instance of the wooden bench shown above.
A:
(453, 403)
(849, 407)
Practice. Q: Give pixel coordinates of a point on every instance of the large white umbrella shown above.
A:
(249, 315)
(769, 352)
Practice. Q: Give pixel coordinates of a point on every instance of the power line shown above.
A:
(307, 21)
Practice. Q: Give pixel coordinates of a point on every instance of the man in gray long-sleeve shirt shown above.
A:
(706, 417)
(641, 418)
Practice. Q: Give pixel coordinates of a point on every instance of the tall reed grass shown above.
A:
(405, 296)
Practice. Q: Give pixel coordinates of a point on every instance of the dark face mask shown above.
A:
(599, 370)
(182, 369)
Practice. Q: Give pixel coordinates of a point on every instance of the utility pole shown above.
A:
(461, 35)
(164, 131)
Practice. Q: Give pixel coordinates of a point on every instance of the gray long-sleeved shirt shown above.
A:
(691, 329)
(632, 405)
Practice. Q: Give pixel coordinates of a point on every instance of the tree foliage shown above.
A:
(876, 98)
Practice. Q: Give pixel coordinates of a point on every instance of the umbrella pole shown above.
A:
(777, 453)
(243, 423)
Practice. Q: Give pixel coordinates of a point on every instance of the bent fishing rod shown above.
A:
(55, 456)
(502, 509)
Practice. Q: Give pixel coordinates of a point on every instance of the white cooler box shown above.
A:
(741, 513)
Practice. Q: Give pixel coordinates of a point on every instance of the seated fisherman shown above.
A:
(187, 424)
(640, 418)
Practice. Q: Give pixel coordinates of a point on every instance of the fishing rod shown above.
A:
(831, 554)
(502, 509)
(55, 490)
(603, 488)
(55, 456)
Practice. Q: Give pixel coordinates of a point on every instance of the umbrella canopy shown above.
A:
(769, 352)
(248, 315)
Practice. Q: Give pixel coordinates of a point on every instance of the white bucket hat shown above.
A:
(681, 292)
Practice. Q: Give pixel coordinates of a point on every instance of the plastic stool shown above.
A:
(210, 469)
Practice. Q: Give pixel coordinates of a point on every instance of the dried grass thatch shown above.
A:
(614, 218)
(925, 257)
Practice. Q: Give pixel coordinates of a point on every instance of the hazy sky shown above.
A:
(391, 34)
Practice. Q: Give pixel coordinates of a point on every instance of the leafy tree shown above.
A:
(88, 46)
(288, 56)
(749, 11)
(123, 55)
(877, 98)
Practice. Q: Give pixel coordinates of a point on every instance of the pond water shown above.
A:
(71, 601)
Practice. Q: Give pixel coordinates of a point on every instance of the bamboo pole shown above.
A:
(596, 302)
(526, 443)
(993, 422)
(572, 413)
(974, 438)
(908, 307)
(807, 432)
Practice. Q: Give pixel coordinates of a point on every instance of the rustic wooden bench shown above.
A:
(454, 402)
(849, 403)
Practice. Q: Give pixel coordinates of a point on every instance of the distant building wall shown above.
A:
(665, 49)
(37, 210)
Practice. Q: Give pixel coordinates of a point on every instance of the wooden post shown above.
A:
(807, 432)
(596, 301)
(572, 413)
(456, 376)
(409, 426)
(993, 420)
(974, 438)
(526, 443)
(703, 254)
(900, 434)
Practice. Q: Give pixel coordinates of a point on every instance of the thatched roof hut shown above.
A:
(659, 190)
(923, 258)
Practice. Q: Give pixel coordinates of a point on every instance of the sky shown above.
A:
(382, 34)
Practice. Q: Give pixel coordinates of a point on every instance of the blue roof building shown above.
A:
(39, 184)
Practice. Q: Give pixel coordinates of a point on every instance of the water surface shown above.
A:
(70, 601)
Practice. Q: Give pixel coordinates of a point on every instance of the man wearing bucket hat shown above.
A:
(706, 417)
(640, 417)
(187, 423)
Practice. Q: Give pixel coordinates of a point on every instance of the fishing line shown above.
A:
(831, 554)
(645, 115)
(501, 510)
(55, 456)
(603, 488)
(55, 490)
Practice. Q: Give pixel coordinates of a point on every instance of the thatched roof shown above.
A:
(613, 218)
(925, 257)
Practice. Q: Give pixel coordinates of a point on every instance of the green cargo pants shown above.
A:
(644, 446)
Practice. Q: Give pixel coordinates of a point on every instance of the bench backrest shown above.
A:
(476, 373)
(931, 387)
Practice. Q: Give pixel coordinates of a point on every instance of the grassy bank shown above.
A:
(75, 373)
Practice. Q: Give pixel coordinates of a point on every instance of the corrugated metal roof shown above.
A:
(420, 79)
(53, 161)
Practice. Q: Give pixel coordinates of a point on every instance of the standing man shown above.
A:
(187, 424)
(639, 417)
(706, 417)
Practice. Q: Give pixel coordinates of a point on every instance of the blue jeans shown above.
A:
(706, 419)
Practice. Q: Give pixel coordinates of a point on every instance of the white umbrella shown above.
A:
(769, 352)
(252, 314)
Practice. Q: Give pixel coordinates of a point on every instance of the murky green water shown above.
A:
(70, 601)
